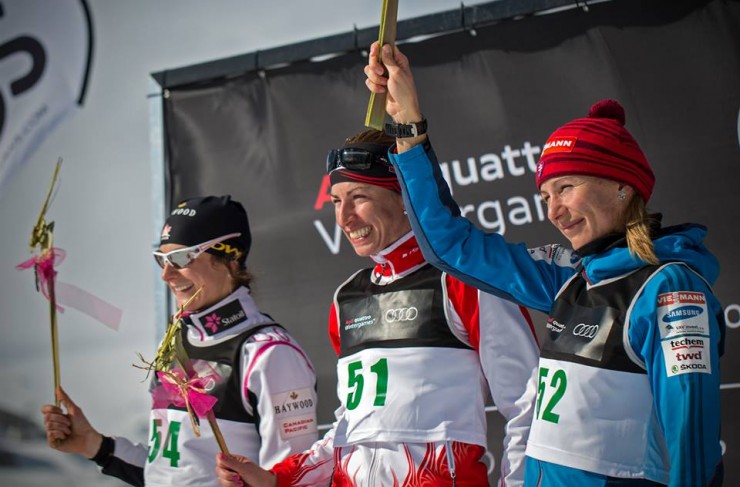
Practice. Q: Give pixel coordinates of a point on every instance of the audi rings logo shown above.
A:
(401, 314)
(586, 331)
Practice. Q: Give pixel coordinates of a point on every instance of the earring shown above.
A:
(404, 212)
(621, 194)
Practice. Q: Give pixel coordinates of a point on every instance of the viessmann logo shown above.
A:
(585, 331)
(559, 144)
(401, 314)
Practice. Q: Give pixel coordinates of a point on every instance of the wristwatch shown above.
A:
(406, 130)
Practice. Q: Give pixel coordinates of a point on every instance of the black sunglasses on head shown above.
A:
(354, 159)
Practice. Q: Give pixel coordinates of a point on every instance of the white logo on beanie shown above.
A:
(183, 212)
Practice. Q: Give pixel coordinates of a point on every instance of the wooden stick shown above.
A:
(54, 339)
(43, 238)
(181, 357)
(217, 432)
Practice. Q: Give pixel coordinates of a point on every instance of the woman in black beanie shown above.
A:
(266, 393)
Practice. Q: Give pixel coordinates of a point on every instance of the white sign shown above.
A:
(45, 50)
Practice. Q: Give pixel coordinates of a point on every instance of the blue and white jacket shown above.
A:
(653, 417)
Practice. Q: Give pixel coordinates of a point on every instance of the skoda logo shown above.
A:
(401, 314)
(586, 331)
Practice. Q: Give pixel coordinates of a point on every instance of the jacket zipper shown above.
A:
(451, 462)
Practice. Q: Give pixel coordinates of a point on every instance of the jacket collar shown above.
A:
(225, 319)
(397, 260)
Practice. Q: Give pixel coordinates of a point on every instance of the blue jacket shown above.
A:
(687, 405)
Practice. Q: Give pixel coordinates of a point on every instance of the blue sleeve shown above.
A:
(680, 338)
(483, 260)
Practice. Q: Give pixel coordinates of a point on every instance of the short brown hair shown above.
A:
(371, 136)
(241, 276)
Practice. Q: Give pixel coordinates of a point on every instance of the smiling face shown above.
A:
(371, 217)
(206, 272)
(585, 208)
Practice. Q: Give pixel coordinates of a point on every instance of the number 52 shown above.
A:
(559, 382)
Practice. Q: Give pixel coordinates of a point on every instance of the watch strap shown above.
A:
(406, 130)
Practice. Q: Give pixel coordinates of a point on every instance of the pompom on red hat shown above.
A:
(597, 145)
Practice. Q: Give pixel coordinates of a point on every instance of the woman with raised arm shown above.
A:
(628, 379)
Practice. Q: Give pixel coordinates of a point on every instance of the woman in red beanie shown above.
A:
(627, 390)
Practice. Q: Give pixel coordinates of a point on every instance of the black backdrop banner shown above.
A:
(492, 96)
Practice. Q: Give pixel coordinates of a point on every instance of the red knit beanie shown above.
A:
(597, 145)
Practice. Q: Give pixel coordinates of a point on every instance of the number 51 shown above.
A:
(356, 380)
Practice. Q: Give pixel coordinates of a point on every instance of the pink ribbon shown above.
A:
(44, 265)
(69, 294)
(189, 393)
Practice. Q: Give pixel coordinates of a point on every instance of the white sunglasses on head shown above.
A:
(182, 258)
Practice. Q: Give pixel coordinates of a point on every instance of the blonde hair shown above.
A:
(637, 226)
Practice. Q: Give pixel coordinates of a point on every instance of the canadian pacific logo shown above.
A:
(559, 144)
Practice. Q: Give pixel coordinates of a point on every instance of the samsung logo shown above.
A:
(682, 313)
